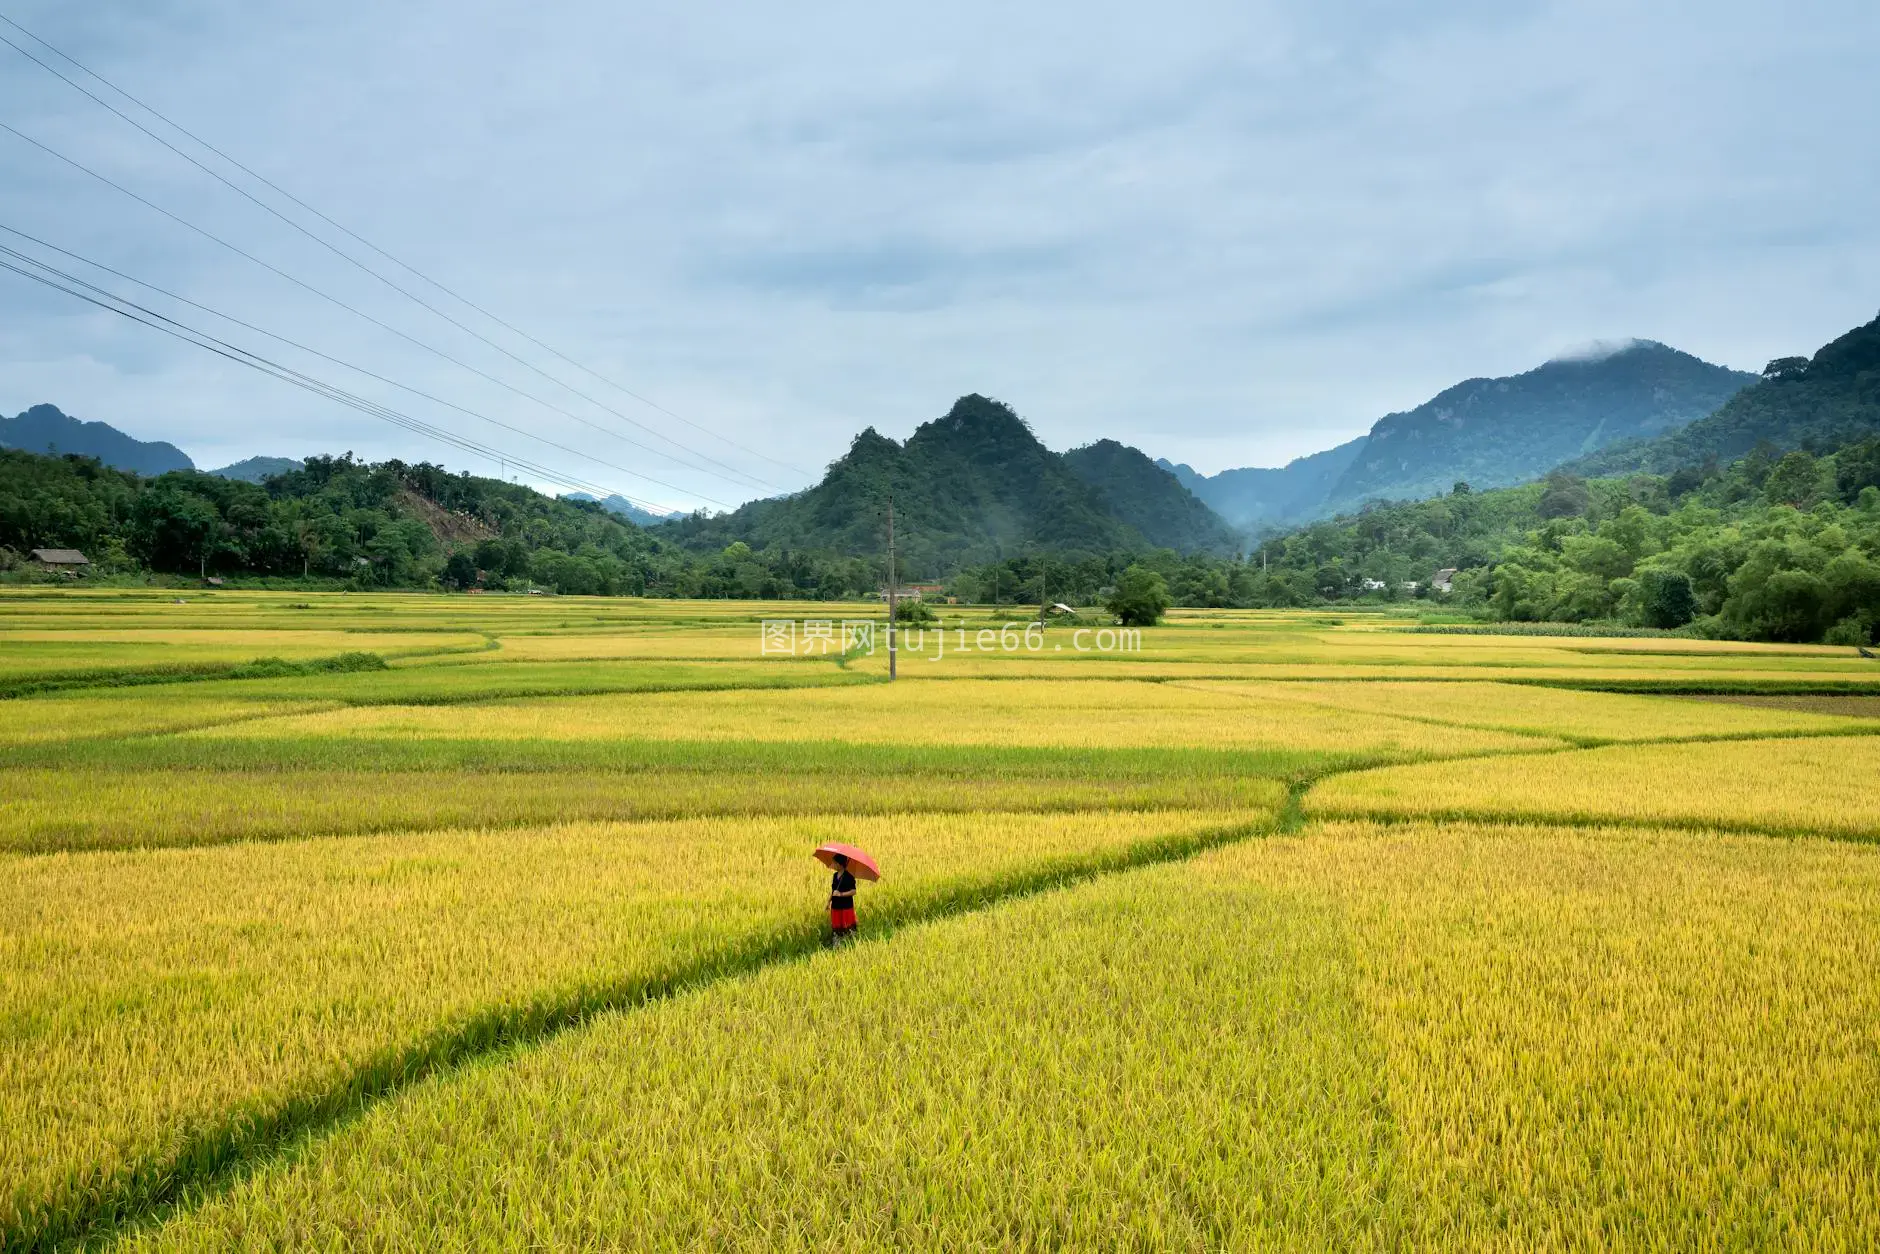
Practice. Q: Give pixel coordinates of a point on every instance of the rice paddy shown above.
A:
(1283, 929)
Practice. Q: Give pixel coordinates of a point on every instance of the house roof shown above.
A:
(61, 557)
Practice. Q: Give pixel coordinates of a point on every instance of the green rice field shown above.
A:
(339, 921)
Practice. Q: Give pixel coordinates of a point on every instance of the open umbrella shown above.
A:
(861, 866)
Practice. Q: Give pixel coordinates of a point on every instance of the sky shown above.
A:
(1227, 233)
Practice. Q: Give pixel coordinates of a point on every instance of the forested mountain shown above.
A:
(1147, 497)
(1484, 432)
(1763, 549)
(1492, 433)
(967, 487)
(255, 469)
(46, 429)
(1800, 402)
(337, 522)
(1257, 497)
(386, 525)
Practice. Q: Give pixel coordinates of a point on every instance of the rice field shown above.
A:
(1284, 929)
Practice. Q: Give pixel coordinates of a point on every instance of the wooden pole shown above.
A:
(891, 587)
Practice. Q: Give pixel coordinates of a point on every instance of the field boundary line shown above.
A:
(215, 1158)
(1583, 821)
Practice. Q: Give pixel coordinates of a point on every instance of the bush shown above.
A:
(1855, 629)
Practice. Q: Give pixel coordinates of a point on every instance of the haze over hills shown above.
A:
(255, 469)
(622, 507)
(1486, 432)
(1826, 400)
(1257, 497)
(47, 429)
(973, 486)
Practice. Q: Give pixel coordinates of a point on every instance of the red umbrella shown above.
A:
(860, 864)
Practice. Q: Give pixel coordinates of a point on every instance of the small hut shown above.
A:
(65, 561)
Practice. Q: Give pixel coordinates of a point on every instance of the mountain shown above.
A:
(44, 429)
(1256, 497)
(1145, 496)
(620, 505)
(255, 469)
(972, 486)
(1485, 432)
(1829, 399)
(1491, 433)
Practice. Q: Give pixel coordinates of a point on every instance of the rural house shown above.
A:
(68, 561)
(1442, 579)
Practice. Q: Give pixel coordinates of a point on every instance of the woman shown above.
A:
(841, 901)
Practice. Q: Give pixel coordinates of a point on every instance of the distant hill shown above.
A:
(1822, 401)
(620, 505)
(1486, 432)
(1143, 495)
(47, 430)
(972, 486)
(1257, 497)
(255, 469)
(1492, 433)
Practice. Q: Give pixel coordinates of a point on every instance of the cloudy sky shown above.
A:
(1229, 233)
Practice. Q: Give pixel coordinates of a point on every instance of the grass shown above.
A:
(513, 942)
(1096, 714)
(64, 810)
(194, 993)
(1603, 1038)
(1806, 786)
(1561, 714)
(1353, 1037)
(1061, 1073)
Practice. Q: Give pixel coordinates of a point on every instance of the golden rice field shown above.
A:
(1278, 929)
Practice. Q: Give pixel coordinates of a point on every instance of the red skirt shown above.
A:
(842, 920)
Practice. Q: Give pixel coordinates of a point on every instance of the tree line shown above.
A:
(1772, 546)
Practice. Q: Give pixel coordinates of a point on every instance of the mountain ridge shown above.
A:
(48, 430)
(1829, 398)
(1487, 432)
(973, 485)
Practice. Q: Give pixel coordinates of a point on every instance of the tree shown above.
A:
(460, 570)
(1666, 598)
(171, 530)
(1140, 597)
(1565, 496)
(1796, 480)
(1786, 368)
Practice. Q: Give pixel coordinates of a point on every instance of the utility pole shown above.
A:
(890, 587)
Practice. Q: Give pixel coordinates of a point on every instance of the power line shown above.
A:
(336, 301)
(295, 344)
(179, 128)
(191, 335)
(351, 397)
(286, 374)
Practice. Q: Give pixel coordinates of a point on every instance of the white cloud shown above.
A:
(1228, 233)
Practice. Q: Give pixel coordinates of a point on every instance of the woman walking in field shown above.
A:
(841, 901)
